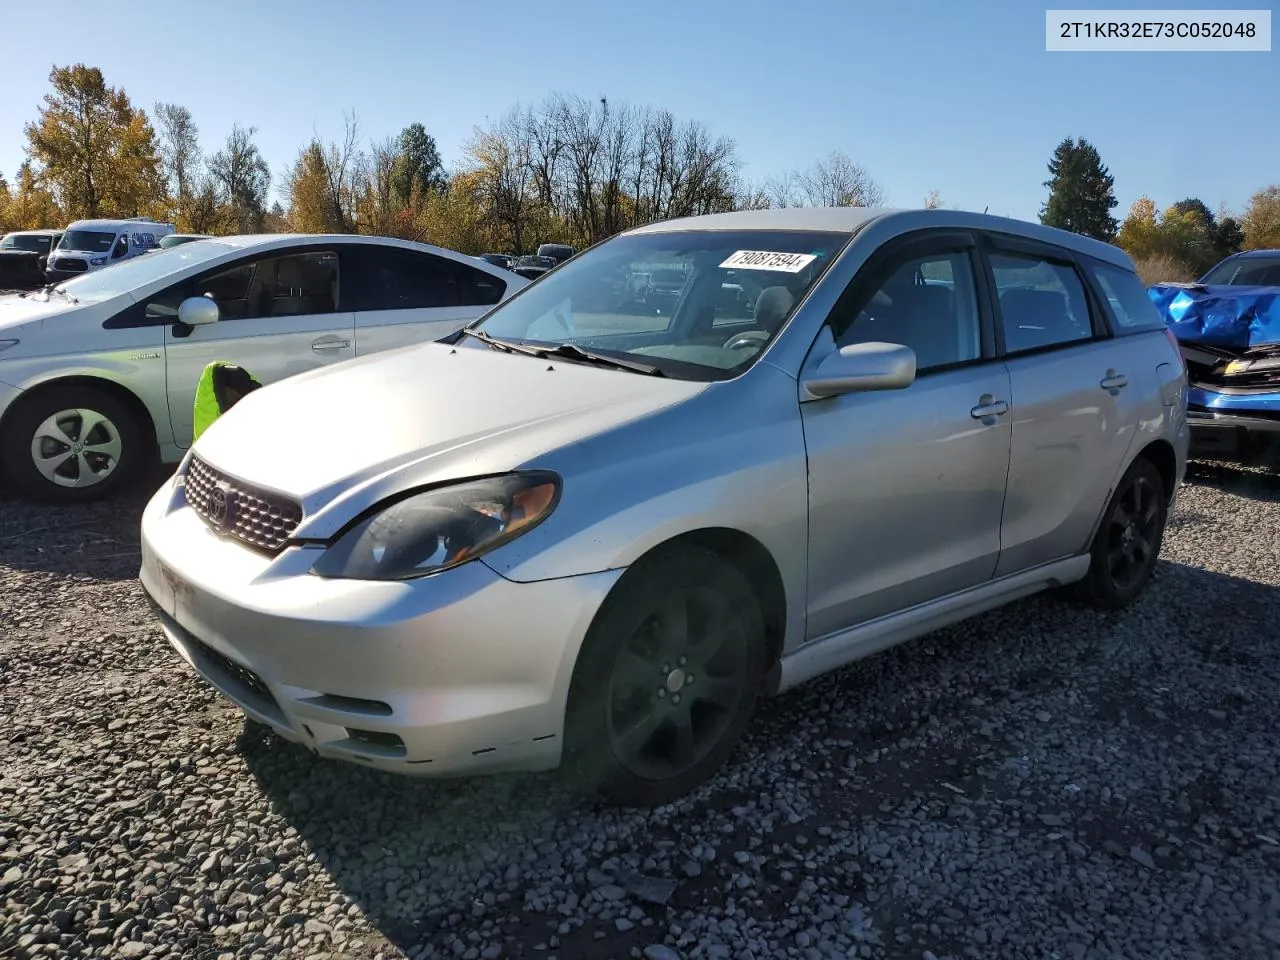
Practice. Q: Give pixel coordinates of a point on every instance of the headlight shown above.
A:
(98, 261)
(440, 528)
(6, 344)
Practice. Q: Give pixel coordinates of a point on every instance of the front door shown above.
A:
(907, 487)
(279, 318)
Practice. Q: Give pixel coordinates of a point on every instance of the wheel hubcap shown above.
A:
(76, 448)
(1133, 534)
(676, 684)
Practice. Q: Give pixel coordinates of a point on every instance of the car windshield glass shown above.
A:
(139, 271)
(174, 240)
(1246, 272)
(87, 241)
(737, 290)
(35, 242)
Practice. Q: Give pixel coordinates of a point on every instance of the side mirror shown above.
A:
(862, 366)
(198, 312)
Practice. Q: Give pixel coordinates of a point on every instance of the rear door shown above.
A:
(280, 317)
(401, 297)
(1075, 401)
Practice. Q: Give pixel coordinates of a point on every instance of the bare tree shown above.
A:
(502, 159)
(837, 181)
(932, 201)
(179, 148)
(242, 178)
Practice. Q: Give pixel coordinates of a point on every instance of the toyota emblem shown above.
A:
(221, 506)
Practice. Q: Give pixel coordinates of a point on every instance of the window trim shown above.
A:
(914, 245)
(992, 243)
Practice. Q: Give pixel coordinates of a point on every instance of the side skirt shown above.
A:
(845, 646)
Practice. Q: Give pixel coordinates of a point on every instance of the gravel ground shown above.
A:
(1041, 782)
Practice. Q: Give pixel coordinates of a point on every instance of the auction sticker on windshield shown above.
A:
(768, 260)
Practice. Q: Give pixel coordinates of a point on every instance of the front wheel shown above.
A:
(71, 445)
(668, 677)
(1127, 545)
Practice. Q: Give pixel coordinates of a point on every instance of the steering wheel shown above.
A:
(752, 338)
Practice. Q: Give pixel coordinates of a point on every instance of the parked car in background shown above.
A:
(23, 255)
(40, 242)
(89, 245)
(99, 373)
(571, 533)
(559, 252)
(532, 267)
(498, 260)
(178, 239)
(1228, 326)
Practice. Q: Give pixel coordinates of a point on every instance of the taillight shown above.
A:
(1177, 347)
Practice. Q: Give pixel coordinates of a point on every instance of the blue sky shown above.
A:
(953, 96)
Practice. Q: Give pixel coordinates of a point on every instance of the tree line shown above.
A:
(565, 170)
(568, 170)
(1179, 243)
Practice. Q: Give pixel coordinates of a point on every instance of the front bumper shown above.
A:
(1225, 422)
(460, 672)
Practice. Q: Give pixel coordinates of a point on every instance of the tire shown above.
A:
(1127, 545)
(109, 460)
(643, 741)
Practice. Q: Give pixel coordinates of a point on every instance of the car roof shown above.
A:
(850, 220)
(44, 232)
(1248, 254)
(115, 222)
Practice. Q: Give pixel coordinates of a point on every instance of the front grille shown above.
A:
(254, 516)
(71, 266)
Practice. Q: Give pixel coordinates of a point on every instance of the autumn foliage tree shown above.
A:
(95, 151)
(1180, 243)
(1260, 223)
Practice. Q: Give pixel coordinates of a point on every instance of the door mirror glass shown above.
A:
(862, 366)
(198, 312)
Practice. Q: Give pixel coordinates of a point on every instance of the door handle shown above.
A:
(328, 346)
(988, 406)
(1113, 382)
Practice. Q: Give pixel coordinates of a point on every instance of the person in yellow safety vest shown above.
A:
(222, 385)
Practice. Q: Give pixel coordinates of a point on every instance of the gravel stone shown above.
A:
(1042, 779)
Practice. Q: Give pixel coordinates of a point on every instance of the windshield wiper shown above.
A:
(565, 351)
(570, 351)
(502, 344)
(47, 290)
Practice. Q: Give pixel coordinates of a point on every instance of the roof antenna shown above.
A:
(986, 208)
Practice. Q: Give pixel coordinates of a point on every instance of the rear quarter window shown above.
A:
(1130, 307)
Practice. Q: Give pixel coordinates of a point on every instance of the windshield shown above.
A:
(139, 271)
(87, 241)
(36, 242)
(535, 262)
(738, 288)
(1246, 272)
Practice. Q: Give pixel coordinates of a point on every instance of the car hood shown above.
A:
(15, 311)
(421, 415)
(1221, 315)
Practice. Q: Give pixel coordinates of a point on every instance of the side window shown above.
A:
(1042, 302)
(401, 280)
(1127, 297)
(926, 302)
(229, 289)
(295, 285)
(478, 288)
(121, 247)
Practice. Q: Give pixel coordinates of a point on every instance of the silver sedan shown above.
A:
(591, 533)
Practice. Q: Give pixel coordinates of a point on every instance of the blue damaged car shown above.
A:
(1228, 326)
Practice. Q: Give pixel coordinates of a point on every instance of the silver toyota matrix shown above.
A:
(593, 528)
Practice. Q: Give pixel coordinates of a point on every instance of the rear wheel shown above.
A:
(1127, 545)
(667, 679)
(71, 445)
